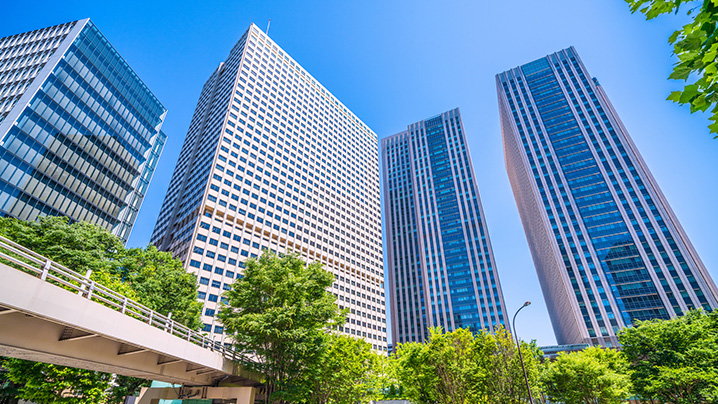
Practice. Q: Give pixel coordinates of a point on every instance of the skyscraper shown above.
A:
(441, 267)
(272, 160)
(79, 131)
(606, 245)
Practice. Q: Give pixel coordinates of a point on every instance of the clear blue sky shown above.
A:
(396, 62)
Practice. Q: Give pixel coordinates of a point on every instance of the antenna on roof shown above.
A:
(270, 21)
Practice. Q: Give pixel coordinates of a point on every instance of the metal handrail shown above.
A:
(59, 275)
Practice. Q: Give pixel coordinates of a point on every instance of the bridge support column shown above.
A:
(153, 395)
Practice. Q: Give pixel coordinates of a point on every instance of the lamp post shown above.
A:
(518, 346)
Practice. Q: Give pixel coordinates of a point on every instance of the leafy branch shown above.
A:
(696, 46)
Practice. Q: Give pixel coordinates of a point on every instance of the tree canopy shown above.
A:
(460, 367)
(344, 373)
(675, 361)
(280, 312)
(696, 46)
(592, 376)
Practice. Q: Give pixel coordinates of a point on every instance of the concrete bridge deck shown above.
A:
(49, 313)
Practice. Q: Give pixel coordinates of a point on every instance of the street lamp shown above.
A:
(518, 346)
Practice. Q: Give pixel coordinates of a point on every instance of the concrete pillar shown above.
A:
(153, 395)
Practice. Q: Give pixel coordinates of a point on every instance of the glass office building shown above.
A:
(607, 247)
(272, 160)
(441, 267)
(79, 131)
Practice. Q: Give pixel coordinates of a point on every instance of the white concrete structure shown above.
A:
(51, 314)
(272, 160)
(242, 395)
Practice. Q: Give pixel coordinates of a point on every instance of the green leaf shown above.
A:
(709, 57)
(699, 104)
(689, 92)
(675, 96)
(673, 37)
(680, 72)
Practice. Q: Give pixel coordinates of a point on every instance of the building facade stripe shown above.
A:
(607, 248)
(441, 267)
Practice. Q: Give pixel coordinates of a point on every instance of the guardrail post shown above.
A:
(45, 269)
(92, 289)
(89, 282)
(124, 305)
(149, 321)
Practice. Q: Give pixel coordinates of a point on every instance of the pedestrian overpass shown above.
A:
(52, 314)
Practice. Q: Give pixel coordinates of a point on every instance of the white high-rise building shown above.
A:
(272, 160)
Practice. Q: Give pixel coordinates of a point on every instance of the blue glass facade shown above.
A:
(441, 267)
(80, 131)
(607, 247)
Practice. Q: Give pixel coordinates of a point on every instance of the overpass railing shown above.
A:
(28, 261)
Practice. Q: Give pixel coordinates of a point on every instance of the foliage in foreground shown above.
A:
(696, 46)
(281, 313)
(460, 367)
(675, 361)
(594, 375)
(346, 372)
(151, 277)
(46, 383)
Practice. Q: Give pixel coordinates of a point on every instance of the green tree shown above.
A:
(280, 313)
(452, 356)
(460, 367)
(674, 361)
(150, 277)
(592, 376)
(344, 372)
(501, 379)
(80, 246)
(46, 383)
(416, 373)
(8, 389)
(161, 283)
(696, 47)
(384, 380)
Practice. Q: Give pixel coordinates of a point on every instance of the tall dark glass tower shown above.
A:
(80, 133)
(607, 247)
(441, 267)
